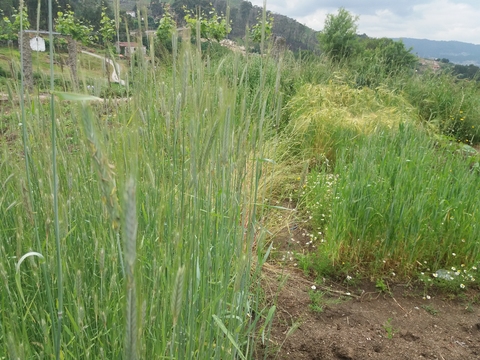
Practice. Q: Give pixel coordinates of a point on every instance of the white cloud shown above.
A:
(423, 19)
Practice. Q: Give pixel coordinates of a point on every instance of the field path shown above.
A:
(115, 77)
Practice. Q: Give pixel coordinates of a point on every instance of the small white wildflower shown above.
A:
(453, 254)
(453, 268)
(428, 297)
(462, 286)
(313, 287)
(349, 278)
(474, 268)
(435, 274)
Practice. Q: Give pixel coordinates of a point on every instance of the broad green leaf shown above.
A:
(75, 96)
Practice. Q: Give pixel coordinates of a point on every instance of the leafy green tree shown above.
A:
(166, 26)
(214, 26)
(338, 39)
(183, 7)
(107, 28)
(67, 24)
(10, 26)
(390, 54)
(256, 30)
(165, 30)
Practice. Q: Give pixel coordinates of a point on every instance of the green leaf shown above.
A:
(229, 336)
(68, 96)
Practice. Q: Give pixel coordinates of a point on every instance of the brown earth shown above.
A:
(362, 322)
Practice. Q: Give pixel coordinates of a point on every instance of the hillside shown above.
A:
(455, 51)
(242, 14)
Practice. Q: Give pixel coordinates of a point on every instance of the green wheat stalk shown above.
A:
(130, 246)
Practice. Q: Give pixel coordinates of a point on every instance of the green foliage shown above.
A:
(213, 26)
(388, 327)
(450, 105)
(262, 29)
(430, 309)
(165, 30)
(166, 26)
(193, 150)
(396, 200)
(378, 61)
(317, 301)
(67, 24)
(382, 286)
(10, 26)
(392, 55)
(338, 39)
(107, 27)
(3, 73)
(471, 71)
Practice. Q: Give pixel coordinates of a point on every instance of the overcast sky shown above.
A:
(422, 19)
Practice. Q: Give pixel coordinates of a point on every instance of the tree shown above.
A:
(67, 24)
(213, 27)
(107, 28)
(256, 30)
(183, 7)
(10, 27)
(390, 54)
(338, 39)
(166, 26)
(165, 30)
(76, 30)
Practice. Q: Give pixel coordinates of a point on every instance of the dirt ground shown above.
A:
(362, 322)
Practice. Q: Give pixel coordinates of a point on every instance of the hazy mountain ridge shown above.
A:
(456, 51)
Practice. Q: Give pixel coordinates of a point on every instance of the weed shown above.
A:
(382, 286)
(317, 300)
(388, 327)
(430, 309)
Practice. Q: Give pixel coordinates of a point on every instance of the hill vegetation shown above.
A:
(455, 51)
(136, 218)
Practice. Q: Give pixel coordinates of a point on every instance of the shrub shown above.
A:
(449, 104)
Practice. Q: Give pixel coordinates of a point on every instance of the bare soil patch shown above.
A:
(362, 323)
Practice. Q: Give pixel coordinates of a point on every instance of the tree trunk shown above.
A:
(24, 45)
(72, 61)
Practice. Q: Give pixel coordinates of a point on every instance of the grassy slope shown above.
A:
(212, 152)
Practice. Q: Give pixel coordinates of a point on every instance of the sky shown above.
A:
(422, 19)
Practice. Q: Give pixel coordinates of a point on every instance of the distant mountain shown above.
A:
(456, 51)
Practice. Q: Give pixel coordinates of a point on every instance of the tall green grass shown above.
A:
(183, 286)
(400, 199)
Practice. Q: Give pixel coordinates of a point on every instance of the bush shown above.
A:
(451, 105)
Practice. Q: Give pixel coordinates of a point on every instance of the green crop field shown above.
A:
(136, 218)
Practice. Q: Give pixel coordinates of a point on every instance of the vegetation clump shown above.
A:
(372, 162)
